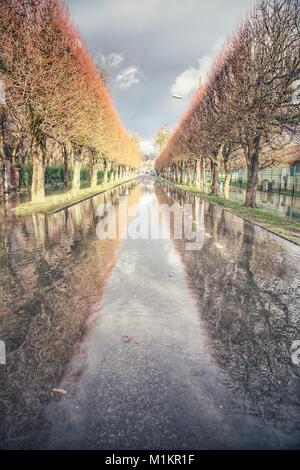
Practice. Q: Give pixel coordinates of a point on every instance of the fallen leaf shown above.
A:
(126, 339)
(59, 390)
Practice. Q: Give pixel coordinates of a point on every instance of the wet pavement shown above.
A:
(157, 346)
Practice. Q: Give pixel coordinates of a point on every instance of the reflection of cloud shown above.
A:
(129, 77)
(188, 81)
(2, 92)
(296, 92)
(2, 353)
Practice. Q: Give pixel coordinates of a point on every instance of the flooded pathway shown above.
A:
(158, 347)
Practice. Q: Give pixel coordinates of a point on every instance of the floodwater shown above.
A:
(281, 204)
(158, 346)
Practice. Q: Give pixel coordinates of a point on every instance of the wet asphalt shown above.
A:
(155, 346)
(144, 376)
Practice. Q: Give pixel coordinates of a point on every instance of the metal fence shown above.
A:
(282, 180)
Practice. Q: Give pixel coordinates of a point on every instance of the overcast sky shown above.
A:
(153, 49)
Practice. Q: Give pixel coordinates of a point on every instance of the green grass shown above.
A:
(57, 201)
(277, 224)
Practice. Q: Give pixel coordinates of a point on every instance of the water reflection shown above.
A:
(281, 204)
(246, 283)
(230, 370)
(53, 269)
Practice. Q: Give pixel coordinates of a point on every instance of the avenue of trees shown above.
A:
(55, 108)
(247, 113)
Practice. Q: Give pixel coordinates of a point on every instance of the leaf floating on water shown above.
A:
(126, 339)
(59, 390)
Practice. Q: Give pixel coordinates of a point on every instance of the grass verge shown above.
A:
(59, 201)
(274, 223)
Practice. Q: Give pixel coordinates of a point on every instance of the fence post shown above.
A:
(293, 195)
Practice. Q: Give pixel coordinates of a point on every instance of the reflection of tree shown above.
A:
(52, 271)
(247, 292)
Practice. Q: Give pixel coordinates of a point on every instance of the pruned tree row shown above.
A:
(247, 113)
(55, 105)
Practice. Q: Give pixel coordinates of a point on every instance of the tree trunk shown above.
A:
(184, 174)
(38, 178)
(193, 175)
(2, 156)
(226, 181)
(187, 176)
(190, 176)
(252, 176)
(2, 169)
(112, 175)
(94, 178)
(203, 177)
(252, 182)
(116, 174)
(181, 169)
(104, 179)
(76, 176)
(199, 176)
(179, 179)
(214, 179)
(66, 167)
(172, 174)
(106, 171)
(176, 173)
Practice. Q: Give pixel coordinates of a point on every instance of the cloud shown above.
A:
(112, 60)
(161, 38)
(147, 147)
(129, 77)
(188, 81)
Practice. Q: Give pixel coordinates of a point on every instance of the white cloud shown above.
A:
(129, 77)
(147, 147)
(188, 81)
(112, 60)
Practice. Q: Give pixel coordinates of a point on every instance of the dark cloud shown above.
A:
(152, 48)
